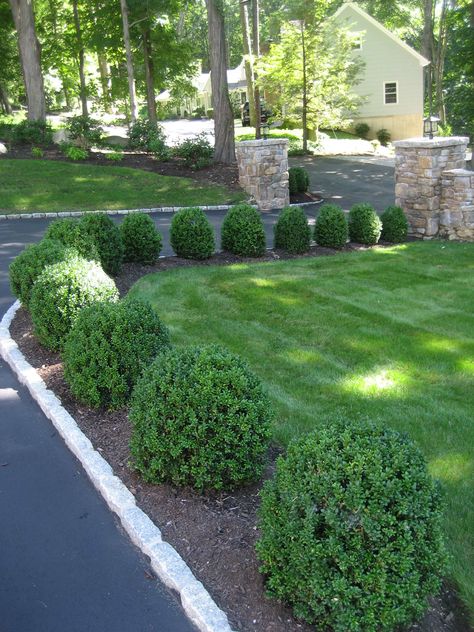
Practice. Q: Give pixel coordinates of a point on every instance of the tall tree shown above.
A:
(81, 58)
(28, 46)
(248, 58)
(224, 149)
(256, 55)
(128, 53)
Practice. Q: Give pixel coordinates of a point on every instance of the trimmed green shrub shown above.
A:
(243, 232)
(25, 269)
(292, 232)
(39, 133)
(196, 152)
(191, 234)
(298, 180)
(106, 236)
(146, 135)
(141, 241)
(108, 347)
(364, 224)
(71, 232)
(384, 136)
(351, 533)
(75, 153)
(85, 131)
(59, 294)
(200, 418)
(331, 230)
(362, 129)
(394, 225)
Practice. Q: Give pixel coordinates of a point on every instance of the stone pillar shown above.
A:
(263, 171)
(456, 218)
(419, 163)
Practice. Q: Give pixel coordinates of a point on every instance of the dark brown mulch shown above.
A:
(214, 533)
(304, 198)
(225, 175)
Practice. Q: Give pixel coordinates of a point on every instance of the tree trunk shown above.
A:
(29, 49)
(427, 46)
(149, 73)
(80, 48)
(244, 21)
(128, 53)
(305, 89)
(224, 149)
(4, 100)
(439, 59)
(104, 80)
(256, 55)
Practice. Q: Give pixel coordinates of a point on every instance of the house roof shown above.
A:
(352, 5)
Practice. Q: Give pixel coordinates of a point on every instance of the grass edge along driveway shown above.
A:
(386, 334)
(48, 186)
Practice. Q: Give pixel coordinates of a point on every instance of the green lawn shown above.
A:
(50, 186)
(386, 334)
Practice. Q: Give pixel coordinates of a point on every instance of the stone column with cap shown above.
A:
(263, 171)
(419, 165)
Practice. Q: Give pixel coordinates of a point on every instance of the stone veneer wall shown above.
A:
(456, 218)
(263, 171)
(419, 164)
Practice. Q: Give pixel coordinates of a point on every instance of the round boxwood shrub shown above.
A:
(350, 528)
(71, 232)
(108, 347)
(364, 224)
(292, 232)
(108, 241)
(141, 241)
(191, 234)
(242, 231)
(330, 229)
(394, 225)
(298, 180)
(59, 294)
(200, 418)
(25, 269)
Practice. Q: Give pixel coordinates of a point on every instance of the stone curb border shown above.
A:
(165, 561)
(158, 209)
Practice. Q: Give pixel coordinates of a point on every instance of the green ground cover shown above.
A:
(51, 186)
(386, 334)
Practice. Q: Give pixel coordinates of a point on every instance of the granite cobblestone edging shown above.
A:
(165, 561)
(159, 209)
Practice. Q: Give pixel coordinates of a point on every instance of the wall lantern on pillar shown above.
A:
(430, 126)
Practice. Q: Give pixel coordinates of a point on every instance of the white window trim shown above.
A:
(358, 41)
(384, 93)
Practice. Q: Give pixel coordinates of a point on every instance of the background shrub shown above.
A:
(38, 133)
(351, 529)
(59, 294)
(292, 232)
(384, 136)
(331, 230)
(114, 156)
(37, 152)
(298, 180)
(196, 152)
(200, 418)
(106, 236)
(71, 232)
(147, 135)
(141, 241)
(362, 129)
(84, 130)
(191, 234)
(108, 347)
(242, 231)
(75, 153)
(28, 265)
(364, 224)
(394, 225)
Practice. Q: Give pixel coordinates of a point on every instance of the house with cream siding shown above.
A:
(392, 79)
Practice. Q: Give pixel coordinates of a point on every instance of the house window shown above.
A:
(390, 92)
(357, 41)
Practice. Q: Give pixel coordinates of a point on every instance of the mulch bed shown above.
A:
(215, 533)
